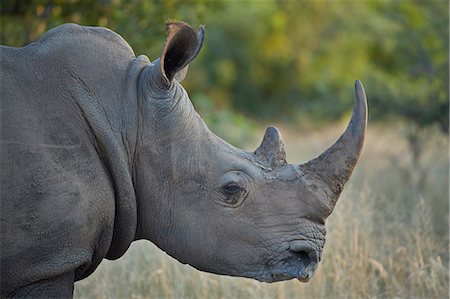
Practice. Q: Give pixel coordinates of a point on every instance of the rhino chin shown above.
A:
(301, 267)
(303, 275)
(283, 277)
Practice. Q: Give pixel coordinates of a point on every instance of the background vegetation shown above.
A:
(295, 59)
(293, 63)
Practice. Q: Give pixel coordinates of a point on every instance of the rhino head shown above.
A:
(219, 208)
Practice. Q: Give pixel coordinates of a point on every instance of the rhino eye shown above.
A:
(231, 189)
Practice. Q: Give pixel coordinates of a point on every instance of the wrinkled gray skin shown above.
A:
(99, 148)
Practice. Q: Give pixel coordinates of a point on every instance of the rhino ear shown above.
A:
(182, 45)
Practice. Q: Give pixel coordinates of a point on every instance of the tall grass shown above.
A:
(387, 238)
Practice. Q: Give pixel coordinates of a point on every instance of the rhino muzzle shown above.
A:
(301, 264)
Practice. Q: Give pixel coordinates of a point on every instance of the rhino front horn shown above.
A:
(332, 169)
(271, 152)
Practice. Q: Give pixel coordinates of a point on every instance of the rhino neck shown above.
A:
(171, 134)
(113, 125)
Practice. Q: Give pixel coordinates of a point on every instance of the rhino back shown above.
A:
(60, 96)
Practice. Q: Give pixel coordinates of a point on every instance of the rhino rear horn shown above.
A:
(182, 45)
(332, 169)
(271, 152)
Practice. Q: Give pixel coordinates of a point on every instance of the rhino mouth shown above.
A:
(300, 264)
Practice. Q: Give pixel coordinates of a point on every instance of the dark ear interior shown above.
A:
(182, 45)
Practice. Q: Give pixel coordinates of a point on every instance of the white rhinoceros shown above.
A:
(100, 148)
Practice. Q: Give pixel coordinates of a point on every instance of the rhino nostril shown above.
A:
(302, 256)
(304, 252)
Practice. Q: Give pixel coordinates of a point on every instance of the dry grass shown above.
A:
(387, 238)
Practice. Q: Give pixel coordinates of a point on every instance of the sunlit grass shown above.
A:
(388, 236)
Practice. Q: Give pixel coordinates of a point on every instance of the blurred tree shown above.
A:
(413, 69)
(412, 72)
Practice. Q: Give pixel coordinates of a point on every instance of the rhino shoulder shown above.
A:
(99, 39)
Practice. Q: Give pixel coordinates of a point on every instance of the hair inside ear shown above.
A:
(182, 45)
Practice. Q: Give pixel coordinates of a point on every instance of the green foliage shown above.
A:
(283, 60)
(415, 71)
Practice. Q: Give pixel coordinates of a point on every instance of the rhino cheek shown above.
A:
(236, 250)
(208, 238)
(245, 244)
